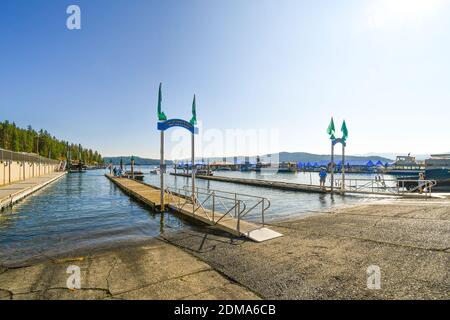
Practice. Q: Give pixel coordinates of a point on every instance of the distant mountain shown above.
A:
(311, 157)
(137, 160)
(303, 157)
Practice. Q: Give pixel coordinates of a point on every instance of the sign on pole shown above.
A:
(331, 132)
(165, 124)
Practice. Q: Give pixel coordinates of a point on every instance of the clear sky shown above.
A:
(280, 66)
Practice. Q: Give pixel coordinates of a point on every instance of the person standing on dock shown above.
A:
(421, 182)
(323, 177)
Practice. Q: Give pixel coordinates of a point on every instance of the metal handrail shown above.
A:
(394, 186)
(184, 191)
(218, 197)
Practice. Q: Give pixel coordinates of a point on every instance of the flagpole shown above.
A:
(193, 172)
(343, 166)
(332, 166)
(161, 171)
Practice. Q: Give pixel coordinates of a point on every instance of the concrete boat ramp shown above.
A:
(227, 220)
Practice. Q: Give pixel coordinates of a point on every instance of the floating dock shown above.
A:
(263, 183)
(16, 191)
(150, 196)
(350, 189)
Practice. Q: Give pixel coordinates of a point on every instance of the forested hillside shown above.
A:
(29, 140)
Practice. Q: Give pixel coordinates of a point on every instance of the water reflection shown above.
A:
(79, 211)
(83, 211)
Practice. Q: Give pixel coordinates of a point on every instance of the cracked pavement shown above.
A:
(155, 270)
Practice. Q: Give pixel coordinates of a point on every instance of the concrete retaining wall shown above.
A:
(13, 171)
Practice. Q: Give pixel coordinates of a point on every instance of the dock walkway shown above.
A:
(262, 183)
(350, 189)
(16, 191)
(150, 196)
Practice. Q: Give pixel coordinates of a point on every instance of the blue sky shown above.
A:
(288, 66)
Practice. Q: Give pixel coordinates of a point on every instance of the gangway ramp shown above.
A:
(222, 210)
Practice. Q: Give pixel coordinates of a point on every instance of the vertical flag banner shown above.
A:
(161, 115)
(331, 130)
(344, 131)
(194, 113)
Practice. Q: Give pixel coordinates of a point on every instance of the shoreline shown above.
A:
(322, 256)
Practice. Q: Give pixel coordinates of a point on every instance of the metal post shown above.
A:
(343, 166)
(332, 166)
(193, 172)
(213, 205)
(132, 168)
(239, 217)
(235, 205)
(161, 171)
(262, 212)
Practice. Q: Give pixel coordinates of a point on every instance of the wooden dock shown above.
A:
(16, 191)
(263, 183)
(150, 196)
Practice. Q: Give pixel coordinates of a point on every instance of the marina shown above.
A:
(225, 150)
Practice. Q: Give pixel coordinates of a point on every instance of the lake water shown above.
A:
(85, 211)
(79, 211)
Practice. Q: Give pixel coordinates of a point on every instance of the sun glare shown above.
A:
(398, 13)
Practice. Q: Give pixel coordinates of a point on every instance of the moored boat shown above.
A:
(405, 166)
(136, 175)
(438, 168)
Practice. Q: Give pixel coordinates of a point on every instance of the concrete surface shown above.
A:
(327, 256)
(320, 257)
(155, 270)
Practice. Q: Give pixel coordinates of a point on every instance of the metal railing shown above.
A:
(388, 186)
(215, 205)
(10, 156)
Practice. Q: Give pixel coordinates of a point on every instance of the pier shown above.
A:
(225, 218)
(401, 188)
(262, 183)
(14, 192)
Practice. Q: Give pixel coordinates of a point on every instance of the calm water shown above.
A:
(284, 204)
(86, 211)
(80, 211)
